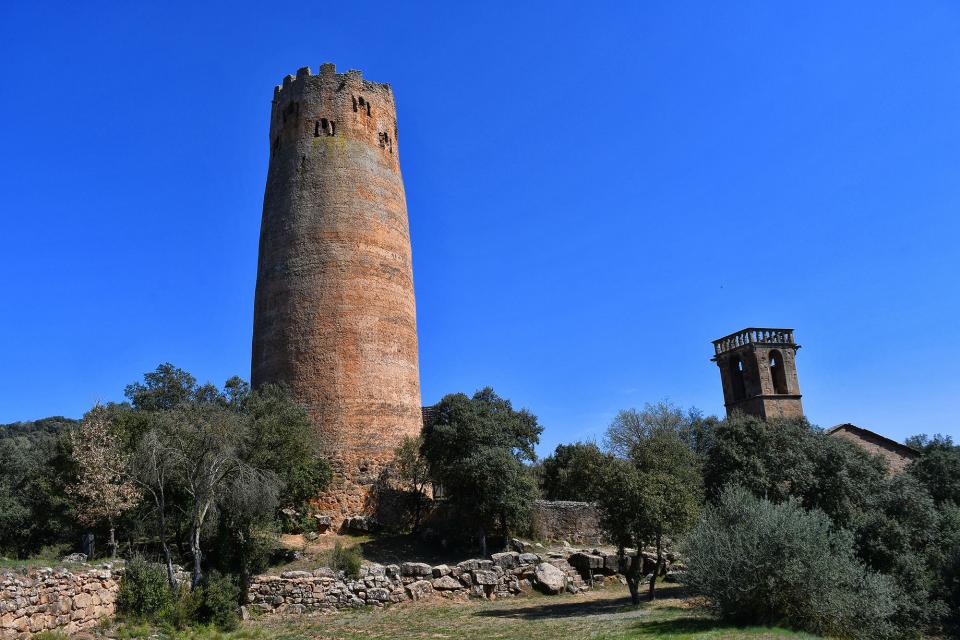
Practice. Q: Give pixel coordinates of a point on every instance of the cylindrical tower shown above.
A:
(335, 316)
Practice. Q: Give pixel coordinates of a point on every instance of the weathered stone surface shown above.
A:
(550, 579)
(567, 520)
(441, 570)
(334, 314)
(415, 569)
(419, 589)
(48, 599)
(447, 582)
(484, 577)
(507, 559)
(586, 562)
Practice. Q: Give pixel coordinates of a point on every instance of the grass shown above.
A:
(602, 614)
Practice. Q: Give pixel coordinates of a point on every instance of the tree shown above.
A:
(630, 426)
(414, 471)
(205, 439)
(938, 467)
(764, 563)
(475, 448)
(153, 468)
(780, 458)
(103, 487)
(653, 494)
(571, 471)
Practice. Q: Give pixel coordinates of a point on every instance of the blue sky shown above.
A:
(596, 191)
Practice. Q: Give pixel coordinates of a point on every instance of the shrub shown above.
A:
(765, 563)
(182, 610)
(346, 559)
(144, 590)
(221, 597)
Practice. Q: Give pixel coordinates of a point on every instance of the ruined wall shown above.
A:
(567, 520)
(334, 315)
(48, 599)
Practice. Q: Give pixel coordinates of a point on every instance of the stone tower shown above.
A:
(334, 315)
(758, 370)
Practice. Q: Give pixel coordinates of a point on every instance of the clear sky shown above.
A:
(596, 191)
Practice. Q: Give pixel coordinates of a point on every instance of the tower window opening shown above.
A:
(354, 99)
(368, 108)
(329, 127)
(777, 373)
(361, 101)
(736, 379)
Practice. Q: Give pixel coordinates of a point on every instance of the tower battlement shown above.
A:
(328, 72)
(333, 105)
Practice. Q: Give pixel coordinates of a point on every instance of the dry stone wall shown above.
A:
(503, 575)
(60, 600)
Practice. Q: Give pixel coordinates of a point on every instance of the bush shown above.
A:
(144, 590)
(221, 597)
(765, 563)
(346, 559)
(182, 610)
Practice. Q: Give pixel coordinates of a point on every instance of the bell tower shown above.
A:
(758, 370)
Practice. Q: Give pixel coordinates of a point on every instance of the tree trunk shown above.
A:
(113, 542)
(503, 529)
(417, 507)
(657, 568)
(195, 550)
(483, 543)
(633, 576)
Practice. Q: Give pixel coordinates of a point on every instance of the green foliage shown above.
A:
(35, 468)
(475, 448)
(221, 599)
(346, 559)
(630, 426)
(165, 388)
(938, 468)
(144, 591)
(183, 609)
(413, 471)
(654, 493)
(764, 563)
(571, 472)
(783, 458)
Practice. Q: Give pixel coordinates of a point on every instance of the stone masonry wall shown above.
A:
(576, 522)
(503, 575)
(59, 600)
(334, 312)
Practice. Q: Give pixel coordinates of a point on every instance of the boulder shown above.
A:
(529, 558)
(323, 523)
(416, 569)
(520, 546)
(446, 583)
(361, 524)
(441, 570)
(507, 559)
(75, 557)
(585, 563)
(550, 579)
(484, 577)
(419, 589)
